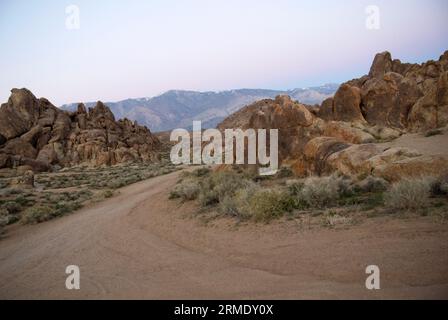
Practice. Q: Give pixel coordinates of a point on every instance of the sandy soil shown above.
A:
(140, 245)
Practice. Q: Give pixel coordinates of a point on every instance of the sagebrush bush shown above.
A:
(215, 187)
(238, 204)
(187, 189)
(321, 192)
(12, 207)
(65, 207)
(268, 204)
(10, 191)
(107, 194)
(439, 186)
(38, 214)
(409, 194)
(372, 184)
(295, 186)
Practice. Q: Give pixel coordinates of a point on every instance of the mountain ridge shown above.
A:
(178, 108)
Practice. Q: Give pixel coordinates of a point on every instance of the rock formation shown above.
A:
(394, 98)
(37, 135)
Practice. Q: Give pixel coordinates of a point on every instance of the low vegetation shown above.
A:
(334, 200)
(60, 193)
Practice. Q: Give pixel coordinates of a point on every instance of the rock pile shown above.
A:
(35, 135)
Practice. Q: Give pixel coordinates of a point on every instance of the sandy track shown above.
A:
(140, 245)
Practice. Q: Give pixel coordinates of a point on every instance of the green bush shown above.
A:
(267, 204)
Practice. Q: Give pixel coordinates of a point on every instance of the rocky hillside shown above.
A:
(35, 135)
(177, 108)
(344, 134)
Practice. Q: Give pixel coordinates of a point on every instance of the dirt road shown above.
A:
(140, 245)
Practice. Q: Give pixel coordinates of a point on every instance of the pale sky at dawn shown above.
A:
(128, 49)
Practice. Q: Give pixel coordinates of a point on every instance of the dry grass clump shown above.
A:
(233, 193)
(409, 194)
(186, 190)
(38, 214)
(321, 192)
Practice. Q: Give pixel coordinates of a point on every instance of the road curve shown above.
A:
(139, 245)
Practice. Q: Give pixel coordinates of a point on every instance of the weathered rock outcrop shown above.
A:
(35, 133)
(394, 94)
(394, 98)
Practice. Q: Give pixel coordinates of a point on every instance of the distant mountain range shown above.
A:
(178, 109)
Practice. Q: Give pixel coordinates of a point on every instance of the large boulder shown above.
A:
(346, 132)
(18, 114)
(20, 147)
(388, 101)
(442, 99)
(347, 104)
(326, 109)
(423, 115)
(382, 63)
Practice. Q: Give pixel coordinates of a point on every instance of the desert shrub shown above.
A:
(201, 172)
(295, 186)
(439, 186)
(345, 185)
(3, 184)
(267, 204)
(284, 172)
(116, 183)
(237, 205)
(372, 184)
(188, 189)
(320, 191)
(6, 218)
(372, 201)
(409, 194)
(23, 200)
(208, 197)
(217, 186)
(65, 207)
(10, 191)
(258, 204)
(107, 194)
(38, 214)
(12, 207)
